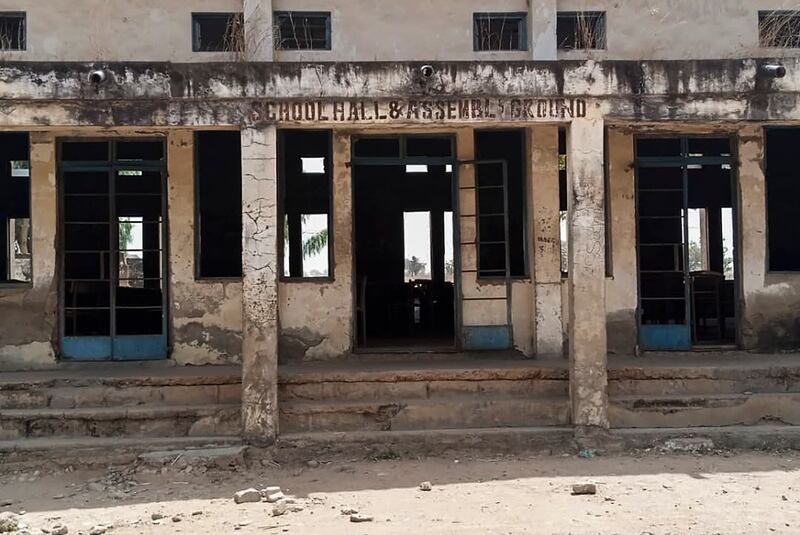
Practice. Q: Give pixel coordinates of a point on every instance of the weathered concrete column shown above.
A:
(542, 29)
(546, 245)
(753, 232)
(259, 285)
(587, 311)
(258, 41)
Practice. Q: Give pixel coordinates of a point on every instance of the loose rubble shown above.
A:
(425, 486)
(247, 496)
(360, 518)
(584, 489)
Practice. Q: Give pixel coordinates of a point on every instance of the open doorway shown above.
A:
(404, 242)
(687, 242)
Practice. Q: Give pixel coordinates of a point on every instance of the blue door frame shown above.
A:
(675, 336)
(102, 340)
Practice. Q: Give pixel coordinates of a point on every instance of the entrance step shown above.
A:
(362, 381)
(121, 385)
(410, 414)
(171, 421)
(704, 410)
(669, 375)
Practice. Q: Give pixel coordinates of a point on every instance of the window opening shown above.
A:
(12, 31)
(563, 214)
(500, 31)
(581, 30)
(218, 198)
(783, 188)
(299, 30)
(507, 145)
(15, 209)
(217, 32)
(305, 203)
(417, 245)
(779, 29)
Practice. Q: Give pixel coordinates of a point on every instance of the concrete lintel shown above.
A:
(260, 285)
(587, 325)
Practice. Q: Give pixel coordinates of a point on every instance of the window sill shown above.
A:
(315, 280)
(15, 285)
(217, 279)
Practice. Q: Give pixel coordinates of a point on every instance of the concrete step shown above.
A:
(704, 410)
(124, 387)
(419, 381)
(415, 414)
(168, 421)
(734, 376)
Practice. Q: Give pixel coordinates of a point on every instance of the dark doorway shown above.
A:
(112, 236)
(404, 242)
(686, 240)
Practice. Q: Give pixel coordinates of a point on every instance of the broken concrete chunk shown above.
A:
(426, 486)
(360, 518)
(98, 530)
(274, 497)
(59, 529)
(156, 516)
(247, 496)
(583, 489)
(280, 509)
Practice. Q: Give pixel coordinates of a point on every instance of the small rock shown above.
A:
(584, 489)
(59, 529)
(242, 524)
(274, 497)
(197, 513)
(98, 530)
(247, 496)
(156, 516)
(176, 518)
(280, 509)
(312, 463)
(425, 486)
(349, 511)
(360, 518)
(296, 508)
(586, 454)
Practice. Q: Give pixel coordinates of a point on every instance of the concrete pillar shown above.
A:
(260, 285)
(587, 325)
(752, 230)
(542, 29)
(258, 40)
(546, 242)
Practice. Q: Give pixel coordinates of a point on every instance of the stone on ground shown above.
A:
(247, 496)
(426, 486)
(360, 518)
(583, 489)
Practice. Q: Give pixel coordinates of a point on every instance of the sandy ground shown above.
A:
(745, 493)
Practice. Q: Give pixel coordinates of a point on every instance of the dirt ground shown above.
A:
(650, 493)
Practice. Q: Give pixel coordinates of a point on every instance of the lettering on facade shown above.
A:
(433, 110)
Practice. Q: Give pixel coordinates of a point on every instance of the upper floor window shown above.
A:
(581, 30)
(500, 31)
(302, 30)
(217, 32)
(779, 29)
(12, 31)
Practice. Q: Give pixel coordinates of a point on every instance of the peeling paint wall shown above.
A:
(317, 317)
(206, 315)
